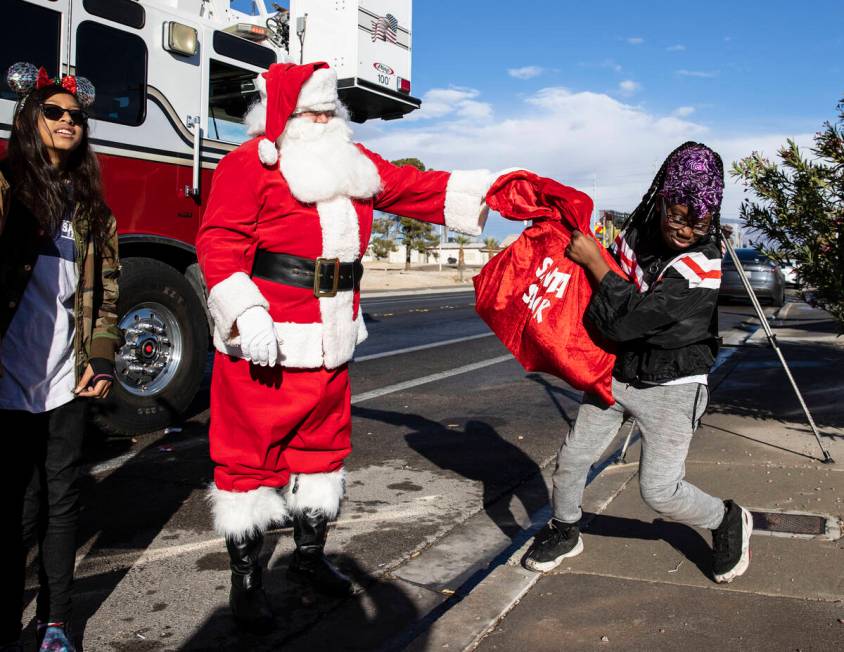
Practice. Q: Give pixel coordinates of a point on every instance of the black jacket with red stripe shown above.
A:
(665, 320)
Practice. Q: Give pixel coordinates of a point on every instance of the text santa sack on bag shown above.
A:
(533, 297)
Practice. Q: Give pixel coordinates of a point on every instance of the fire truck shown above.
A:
(173, 81)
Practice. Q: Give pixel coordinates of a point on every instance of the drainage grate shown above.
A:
(810, 524)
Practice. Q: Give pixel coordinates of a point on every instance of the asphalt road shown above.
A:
(445, 422)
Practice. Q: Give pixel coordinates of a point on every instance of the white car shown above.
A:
(790, 274)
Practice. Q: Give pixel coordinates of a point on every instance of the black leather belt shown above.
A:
(325, 276)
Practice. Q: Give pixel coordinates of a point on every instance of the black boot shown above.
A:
(249, 604)
(309, 565)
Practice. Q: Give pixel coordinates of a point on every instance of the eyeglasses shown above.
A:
(55, 112)
(315, 114)
(677, 222)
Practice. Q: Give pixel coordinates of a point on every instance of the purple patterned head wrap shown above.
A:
(693, 178)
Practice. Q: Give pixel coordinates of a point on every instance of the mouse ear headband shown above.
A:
(23, 78)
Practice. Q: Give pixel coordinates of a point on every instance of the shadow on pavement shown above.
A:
(682, 538)
(369, 620)
(758, 387)
(503, 467)
(761, 441)
(552, 391)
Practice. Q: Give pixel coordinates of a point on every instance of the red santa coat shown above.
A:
(259, 443)
(251, 207)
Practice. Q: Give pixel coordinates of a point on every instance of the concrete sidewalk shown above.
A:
(644, 584)
(377, 280)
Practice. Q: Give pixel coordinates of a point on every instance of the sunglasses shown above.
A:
(678, 222)
(55, 112)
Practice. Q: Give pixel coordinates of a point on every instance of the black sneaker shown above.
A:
(553, 543)
(731, 543)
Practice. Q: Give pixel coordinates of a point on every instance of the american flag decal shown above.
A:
(628, 262)
(385, 28)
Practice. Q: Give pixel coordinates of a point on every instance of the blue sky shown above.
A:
(596, 94)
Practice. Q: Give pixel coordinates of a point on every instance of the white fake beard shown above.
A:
(320, 162)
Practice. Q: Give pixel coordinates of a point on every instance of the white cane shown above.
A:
(772, 338)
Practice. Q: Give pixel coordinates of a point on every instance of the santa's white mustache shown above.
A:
(304, 129)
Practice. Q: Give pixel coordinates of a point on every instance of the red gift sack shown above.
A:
(533, 297)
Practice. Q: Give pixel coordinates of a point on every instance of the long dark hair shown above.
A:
(646, 214)
(46, 191)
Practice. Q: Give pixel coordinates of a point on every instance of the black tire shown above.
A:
(778, 300)
(135, 407)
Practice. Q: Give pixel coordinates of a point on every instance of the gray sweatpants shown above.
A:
(667, 416)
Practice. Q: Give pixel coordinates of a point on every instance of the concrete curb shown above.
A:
(465, 624)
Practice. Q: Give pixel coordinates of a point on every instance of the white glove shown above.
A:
(258, 340)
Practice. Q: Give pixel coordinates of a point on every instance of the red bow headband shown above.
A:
(23, 78)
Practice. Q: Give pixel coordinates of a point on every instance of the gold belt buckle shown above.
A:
(319, 292)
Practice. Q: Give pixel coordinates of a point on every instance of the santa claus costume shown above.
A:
(289, 217)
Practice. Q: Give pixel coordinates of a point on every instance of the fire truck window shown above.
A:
(116, 63)
(232, 93)
(17, 44)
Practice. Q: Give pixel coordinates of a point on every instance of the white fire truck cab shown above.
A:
(173, 81)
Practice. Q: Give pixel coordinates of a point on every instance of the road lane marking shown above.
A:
(421, 347)
(424, 380)
(88, 566)
(174, 447)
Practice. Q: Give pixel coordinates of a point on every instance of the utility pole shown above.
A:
(442, 242)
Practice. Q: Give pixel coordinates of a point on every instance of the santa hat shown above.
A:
(287, 89)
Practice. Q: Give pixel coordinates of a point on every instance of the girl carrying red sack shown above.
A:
(664, 322)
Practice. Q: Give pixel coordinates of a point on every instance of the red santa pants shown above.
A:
(269, 422)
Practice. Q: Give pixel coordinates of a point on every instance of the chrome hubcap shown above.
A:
(150, 357)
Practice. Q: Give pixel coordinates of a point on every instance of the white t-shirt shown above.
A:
(37, 350)
(685, 380)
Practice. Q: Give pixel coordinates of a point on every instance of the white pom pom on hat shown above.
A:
(267, 152)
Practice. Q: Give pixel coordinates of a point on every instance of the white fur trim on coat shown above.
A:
(229, 299)
(316, 491)
(302, 345)
(339, 330)
(319, 93)
(240, 513)
(340, 228)
(338, 222)
(465, 209)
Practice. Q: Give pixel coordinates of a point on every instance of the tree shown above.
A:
(799, 208)
(383, 243)
(461, 240)
(418, 236)
(490, 247)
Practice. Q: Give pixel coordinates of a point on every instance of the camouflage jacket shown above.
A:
(97, 334)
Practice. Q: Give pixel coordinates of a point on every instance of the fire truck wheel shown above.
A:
(161, 364)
